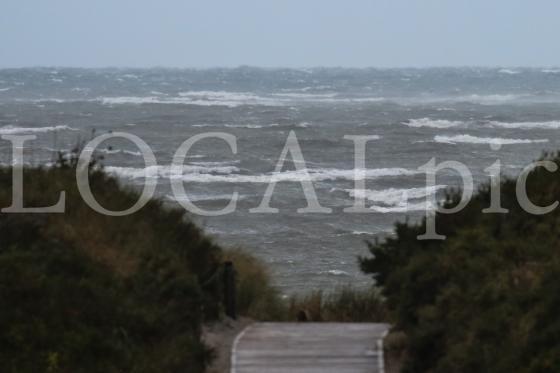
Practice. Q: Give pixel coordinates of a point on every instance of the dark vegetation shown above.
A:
(487, 299)
(81, 291)
(85, 292)
(259, 300)
(344, 304)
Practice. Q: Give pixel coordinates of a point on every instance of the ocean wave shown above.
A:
(509, 72)
(479, 99)
(489, 99)
(362, 233)
(421, 206)
(251, 126)
(5, 89)
(230, 174)
(11, 130)
(111, 151)
(215, 164)
(397, 200)
(334, 272)
(394, 196)
(234, 99)
(155, 172)
(551, 71)
(204, 197)
(255, 126)
(140, 100)
(432, 123)
(227, 98)
(468, 139)
(203, 125)
(309, 88)
(306, 95)
(526, 125)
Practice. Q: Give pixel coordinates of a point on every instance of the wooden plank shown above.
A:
(309, 348)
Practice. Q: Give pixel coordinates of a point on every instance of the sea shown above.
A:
(470, 115)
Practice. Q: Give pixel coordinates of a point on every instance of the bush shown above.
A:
(487, 298)
(85, 292)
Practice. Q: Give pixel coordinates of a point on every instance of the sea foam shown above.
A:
(432, 123)
(526, 125)
(468, 139)
(12, 130)
(509, 72)
(230, 174)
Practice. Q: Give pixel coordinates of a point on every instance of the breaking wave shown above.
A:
(395, 200)
(394, 196)
(235, 99)
(509, 72)
(526, 125)
(111, 151)
(432, 123)
(409, 207)
(11, 130)
(468, 139)
(168, 171)
(230, 174)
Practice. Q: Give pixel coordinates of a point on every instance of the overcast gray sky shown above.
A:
(292, 33)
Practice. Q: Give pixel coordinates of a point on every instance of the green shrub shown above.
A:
(487, 298)
(85, 292)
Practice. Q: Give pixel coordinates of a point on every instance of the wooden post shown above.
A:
(229, 290)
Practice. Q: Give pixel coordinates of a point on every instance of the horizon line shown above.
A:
(315, 67)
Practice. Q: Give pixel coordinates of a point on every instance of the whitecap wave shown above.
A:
(362, 233)
(254, 126)
(480, 99)
(251, 126)
(509, 72)
(306, 95)
(215, 164)
(155, 172)
(111, 151)
(397, 200)
(226, 98)
(5, 89)
(183, 100)
(230, 174)
(334, 272)
(233, 99)
(12, 130)
(421, 206)
(489, 99)
(468, 139)
(526, 125)
(204, 197)
(432, 123)
(394, 196)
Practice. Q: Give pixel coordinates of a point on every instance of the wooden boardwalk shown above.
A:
(309, 348)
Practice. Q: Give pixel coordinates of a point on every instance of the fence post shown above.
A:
(229, 290)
